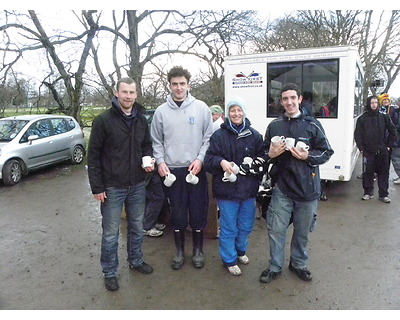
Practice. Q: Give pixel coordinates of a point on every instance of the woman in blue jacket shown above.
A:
(234, 141)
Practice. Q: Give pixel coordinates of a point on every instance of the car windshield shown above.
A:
(10, 128)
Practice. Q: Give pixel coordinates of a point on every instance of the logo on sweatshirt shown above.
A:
(191, 120)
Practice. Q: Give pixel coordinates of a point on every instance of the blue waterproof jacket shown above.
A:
(232, 145)
(298, 179)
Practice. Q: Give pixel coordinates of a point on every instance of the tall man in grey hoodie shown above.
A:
(181, 130)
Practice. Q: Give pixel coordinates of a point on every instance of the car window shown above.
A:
(60, 126)
(71, 124)
(40, 128)
(10, 128)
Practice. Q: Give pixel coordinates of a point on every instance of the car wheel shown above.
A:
(12, 172)
(77, 155)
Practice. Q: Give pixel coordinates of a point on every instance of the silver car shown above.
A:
(34, 141)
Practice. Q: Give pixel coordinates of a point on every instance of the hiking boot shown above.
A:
(154, 232)
(267, 276)
(111, 284)
(384, 199)
(303, 273)
(235, 270)
(244, 259)
(142, 268)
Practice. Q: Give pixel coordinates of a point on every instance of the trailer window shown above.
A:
(318, 82)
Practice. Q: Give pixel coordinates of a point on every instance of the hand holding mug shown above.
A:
(290, 143)
(277, 139)
(301, 146)
(147, 161)
(169, 179)
(229, 177)
(192, 178)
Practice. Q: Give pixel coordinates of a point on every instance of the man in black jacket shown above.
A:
(375, 135)
(119, 139)
(296, 184)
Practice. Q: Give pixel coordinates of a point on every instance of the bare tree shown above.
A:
(38, 39)
(376, 34)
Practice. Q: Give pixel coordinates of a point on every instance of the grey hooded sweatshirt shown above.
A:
(181, 134)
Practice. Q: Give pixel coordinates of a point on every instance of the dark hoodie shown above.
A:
(116, 147)
(375, 131)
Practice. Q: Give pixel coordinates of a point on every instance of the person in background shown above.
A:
(218, 116)
(154, 204)
(393, 112)
(296, 184)
(375, 134)
(117, 178)
(236, 200)
(307, 103)
(181, 131)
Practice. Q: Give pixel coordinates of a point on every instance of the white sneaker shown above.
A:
(235, 270)
(153, 232)
(366, 197)
(160, 226)
(384, 199)
(244, 259)
(396, 181)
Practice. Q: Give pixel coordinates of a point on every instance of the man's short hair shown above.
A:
(178, 71)
(126, 80)
(291, 86)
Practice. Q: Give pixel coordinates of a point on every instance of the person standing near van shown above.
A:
(119, 139)
(181, 130)
(393, 112)
(375, 135)
(234, 141)
(296, 184)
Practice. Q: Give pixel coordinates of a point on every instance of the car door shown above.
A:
(40, 151)
(62, 138)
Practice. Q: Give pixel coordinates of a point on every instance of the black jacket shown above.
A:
(299, 179)
(227, 144)
(116, 147)
(374, 132)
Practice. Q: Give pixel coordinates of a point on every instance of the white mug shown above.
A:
(229, 177)
(235, 167)
(290, 143)
(248, 160)
(278, 139)
(169, 179)
(192, 178)
(301, 146)
(147, 161)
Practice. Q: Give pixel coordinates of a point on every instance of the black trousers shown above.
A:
(189, 203)
(378, 163)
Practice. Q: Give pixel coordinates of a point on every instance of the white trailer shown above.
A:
(333, 76)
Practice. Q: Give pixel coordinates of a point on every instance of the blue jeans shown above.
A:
(281, 211)
(236, 223)
(134, 199)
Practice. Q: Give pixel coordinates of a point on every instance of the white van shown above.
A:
(332, 76)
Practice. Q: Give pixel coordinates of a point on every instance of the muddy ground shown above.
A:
(50, 245)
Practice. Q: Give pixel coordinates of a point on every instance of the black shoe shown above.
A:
(303, 273)
(142, 268)
(111, 284)
(267, 276)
